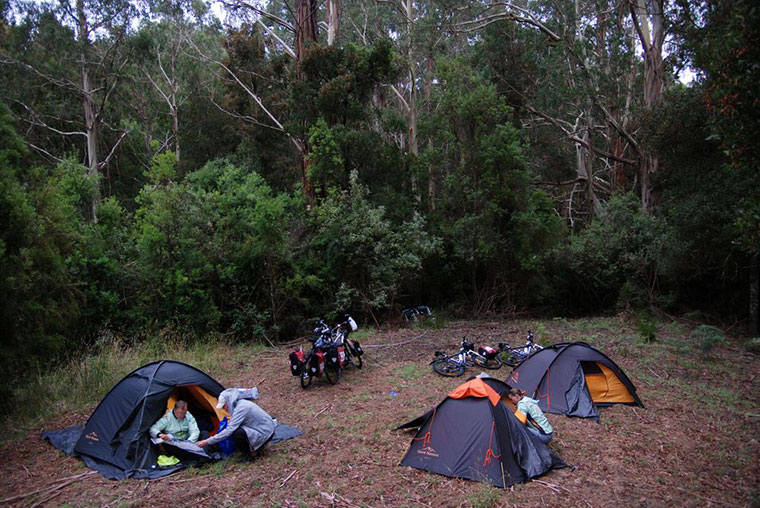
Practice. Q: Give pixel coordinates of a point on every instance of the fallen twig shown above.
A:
(50, 486)
(45, 500)
(184, 480)
(27, 471)
(551, 486)
(322, 410)
(653, 372)
(288, 478)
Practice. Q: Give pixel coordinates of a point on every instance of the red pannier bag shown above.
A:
(296, 361)
(487, 351)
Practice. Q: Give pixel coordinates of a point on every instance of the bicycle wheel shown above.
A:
(354, 357)
(305, 378)
(486, 363)
(509, 358)
(333, 374)
(448, 368)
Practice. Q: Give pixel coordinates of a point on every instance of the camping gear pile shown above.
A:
(115, 439)
(418, 313)
(331, 351)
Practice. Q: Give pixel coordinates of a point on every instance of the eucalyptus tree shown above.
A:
(590, 48)
(84, 63)
(165, 69)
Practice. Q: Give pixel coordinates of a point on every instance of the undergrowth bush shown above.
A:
(752, 345)
(647, 327)
(707, 338)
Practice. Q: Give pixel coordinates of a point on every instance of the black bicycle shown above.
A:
(514, 356)
(455, 365)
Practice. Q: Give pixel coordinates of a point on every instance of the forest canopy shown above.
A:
(243, 167)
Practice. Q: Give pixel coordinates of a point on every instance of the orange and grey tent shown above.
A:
(472, 434)
(573, 379)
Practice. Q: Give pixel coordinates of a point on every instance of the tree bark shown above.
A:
(333, 15)
(306, 30)
(88, 105)
(652, 40)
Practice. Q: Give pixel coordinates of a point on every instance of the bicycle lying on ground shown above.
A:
(455, 365)
(513, 356)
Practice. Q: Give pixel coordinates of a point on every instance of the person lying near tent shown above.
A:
(177, 423)
(250, 426)
(531, 415)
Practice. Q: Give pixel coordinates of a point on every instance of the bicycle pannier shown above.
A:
(317, 364)
(296, 361)
(488, 352)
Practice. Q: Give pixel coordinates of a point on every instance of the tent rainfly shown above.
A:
(573, 379)
(472, 434)
(115, 439)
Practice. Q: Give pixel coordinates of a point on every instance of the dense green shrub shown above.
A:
(615, 261)
(360, 257)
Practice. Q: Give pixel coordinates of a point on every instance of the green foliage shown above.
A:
(361, 254)
(647, 326)
(616, 260)
(215, 250)
(83, 380)
(752, 345)
(708, 338)
(485, 496)
(496, 229)
(326, 164)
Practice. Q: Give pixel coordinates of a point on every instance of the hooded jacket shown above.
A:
(248, 416)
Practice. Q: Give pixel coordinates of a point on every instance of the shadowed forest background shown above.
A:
(242, 170)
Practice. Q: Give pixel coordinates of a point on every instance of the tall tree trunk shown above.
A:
(414, 148)
(332, 7)
(88, 105)
(652, 39)
(306, 30)
(431, 165)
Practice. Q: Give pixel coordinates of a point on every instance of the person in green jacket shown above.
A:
(536, 423)
(177, 423)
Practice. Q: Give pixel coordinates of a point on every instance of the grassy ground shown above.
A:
(695, 443)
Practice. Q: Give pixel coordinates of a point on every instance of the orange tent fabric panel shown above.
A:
(521, 416)
(475, 388)
(199, 397)
(606, 387)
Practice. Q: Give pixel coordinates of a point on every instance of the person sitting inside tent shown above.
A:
(250, 426)
(532, 416)
(177, 423)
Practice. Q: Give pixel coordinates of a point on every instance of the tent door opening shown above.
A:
(603, 385)
(200, 404)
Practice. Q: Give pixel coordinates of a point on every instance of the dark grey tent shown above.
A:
(115, 439)
(472, 434)
(573, 379)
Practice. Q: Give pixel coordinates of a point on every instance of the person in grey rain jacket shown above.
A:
(250, 426)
